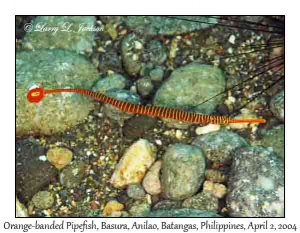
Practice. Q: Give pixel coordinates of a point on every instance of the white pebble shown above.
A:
(158, 142)
(43, 158)
(230, 50)
(178, 134)
(138, 45)
(232, 39)
(207, 129)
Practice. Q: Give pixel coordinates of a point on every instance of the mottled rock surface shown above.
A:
(52, 69)
(256, 184)
(182, 171)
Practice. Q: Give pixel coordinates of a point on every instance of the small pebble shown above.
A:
(207, 129)
(59, 156)
(232, 39)
(43, 200)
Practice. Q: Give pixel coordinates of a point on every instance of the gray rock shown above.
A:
(136, 192)
(115, 81)
(43, 200)
(182, 171)
(32, 172)
(140, 210)
(74, 39)
(52, 69)
(144, 86)
(72, 175)
(277, 105)
(218, 146)
(183, 212)
(132, 54)
(256, 184)
(202, 201)
(167, 204)
(113, 112)
(156, 52)
(157, 74)
(274, 138)
(155, 25)
(191, 85)
(136, 126)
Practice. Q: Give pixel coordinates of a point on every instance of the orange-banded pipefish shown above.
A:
(37, 94)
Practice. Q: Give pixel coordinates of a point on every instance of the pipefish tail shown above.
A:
(37, 94)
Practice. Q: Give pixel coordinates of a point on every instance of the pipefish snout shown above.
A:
(37, 94)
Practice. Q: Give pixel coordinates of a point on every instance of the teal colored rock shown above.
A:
(74, 33)
(114, 81)
(202, 201)
(182, 171)
(256, 184)
(191, 85)
(72, 175)
(274, 138)
(115, 113)
(52, 69)
(155, 25)
(277, 105)
(219, 146)
(183, 212)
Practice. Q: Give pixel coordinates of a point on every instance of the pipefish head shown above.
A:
(35, 95)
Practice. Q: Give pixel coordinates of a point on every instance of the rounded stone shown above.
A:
(218, 146)
(136, 192)
(43, 200)
(182, 172)
(72, 175)
(59, 157)
(133, 165)
(277, 105)
(52, 69)
(191, 85)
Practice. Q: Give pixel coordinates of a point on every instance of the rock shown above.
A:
(110, 60)
(59, 157)
(183, 212)
(72, 175)
(202, 201)
(43, 200)
(144, 86)
(155, 52)
(51, 69)
(183, 170)
(151, 182)
(207, 129)
(215, 176)
(274, 138)
(32, 174)
(136, 192)
(112, 207)
(131, 54)
(79, 42)
(114, 81)
(140, 210)
(218, 146)
(218, 190)
(113, 112)
(21, 210)
(137, 126)
(157, 74)
(189, 86)
(277, 105)
(160, 25)
(256, 184)
(133, 165)
(167, 204)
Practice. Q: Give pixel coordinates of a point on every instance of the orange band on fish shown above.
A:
(37, 94)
